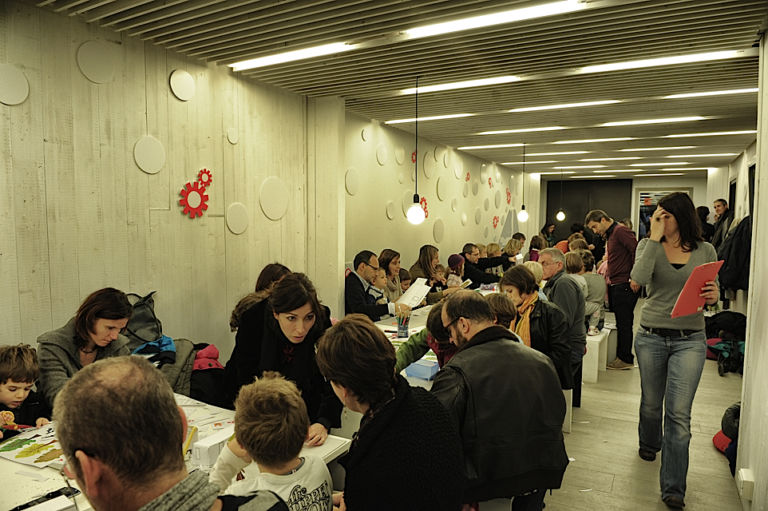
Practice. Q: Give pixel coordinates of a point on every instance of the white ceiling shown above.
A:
(544, 51)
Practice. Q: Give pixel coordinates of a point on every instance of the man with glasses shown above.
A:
(505, 399)
(356, 296)
(475, 266)
(122, 432)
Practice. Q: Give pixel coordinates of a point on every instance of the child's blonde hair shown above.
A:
(492, 248)
(537, 270)
(271, 421)
(18, 363)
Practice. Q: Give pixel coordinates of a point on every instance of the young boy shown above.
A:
(379, 285)
(271, 424)
(19, 405)
(405, 279)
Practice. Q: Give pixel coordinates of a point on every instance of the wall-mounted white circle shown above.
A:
(413, 174)
(149, 154)
(233, 137)
(485, 232)
(498, 175)
(442, 188)
(365, 134)
(478, 216)
(475, 187)
(465, 189)
(14, 87)
(438, 230)
(351, 182)
(486, 204)
(497, 198)
(401, 176)
(407, 201)
(182, 84)
(390, 209)
(446, 158)
(454, 204)
(96, 60)
(437, 154)
(428, 165)
(458, 171)
(463, 219)
(237, 218)
(382, 154)
(273, 198)
(400, 155)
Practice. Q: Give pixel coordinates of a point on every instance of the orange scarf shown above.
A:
(522, 326)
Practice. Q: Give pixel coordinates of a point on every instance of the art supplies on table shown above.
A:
(34, 447)
(689, 300)
(403, 320)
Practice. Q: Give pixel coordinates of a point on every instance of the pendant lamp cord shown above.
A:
(416, 168)
(523, 176)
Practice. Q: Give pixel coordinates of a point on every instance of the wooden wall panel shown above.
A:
(78, 214)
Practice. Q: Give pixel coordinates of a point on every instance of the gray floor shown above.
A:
(606, 473)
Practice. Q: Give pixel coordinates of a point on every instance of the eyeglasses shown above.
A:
(548, 263)
(448, 326)
(375, 268)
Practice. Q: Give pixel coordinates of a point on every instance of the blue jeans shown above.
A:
(670, 370)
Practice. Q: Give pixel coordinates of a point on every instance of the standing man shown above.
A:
(724, 218)
(505, 399)
(620, 248)
(356, 296)
(475, 266)
(565, 292)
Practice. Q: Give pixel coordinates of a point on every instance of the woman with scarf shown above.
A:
(540, 324)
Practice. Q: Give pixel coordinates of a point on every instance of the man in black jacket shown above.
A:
(475, 266)
(724, 219)
(356, 296)
(505, 399)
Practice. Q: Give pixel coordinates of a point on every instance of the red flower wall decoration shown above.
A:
(468, 177)
(490, 183)
(205, 178)
(495, 221)
(509, 196)
(193, 199)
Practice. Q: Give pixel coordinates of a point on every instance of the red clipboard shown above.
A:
(688, 301)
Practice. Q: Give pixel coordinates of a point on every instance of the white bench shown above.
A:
(596, 357)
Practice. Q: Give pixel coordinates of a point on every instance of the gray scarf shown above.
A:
(192, 494)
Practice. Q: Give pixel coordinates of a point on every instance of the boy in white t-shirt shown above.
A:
(271, 424)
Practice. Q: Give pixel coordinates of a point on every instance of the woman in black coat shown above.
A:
(540, 324)
(279, 333)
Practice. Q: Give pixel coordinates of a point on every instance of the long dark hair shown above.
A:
(294, 291)
(269, 276)
(426, 254)
(107, 303)
(681, 206)
(386, 257)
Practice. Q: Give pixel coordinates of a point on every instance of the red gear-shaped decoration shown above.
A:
(495, 222)
(490, 183)
(205, 178)
(468, 177)
(193, 192)
(413, 157)
(423, 203)
(509, 196)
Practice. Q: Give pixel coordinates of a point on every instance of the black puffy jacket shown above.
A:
(549, 335)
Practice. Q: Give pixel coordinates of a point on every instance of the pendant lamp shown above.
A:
(560, 215)
(415, 213)
(522, 215)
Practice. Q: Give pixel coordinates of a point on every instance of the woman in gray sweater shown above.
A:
(670, 351)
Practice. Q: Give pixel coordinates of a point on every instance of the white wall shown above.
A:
(753, 431)
(77, 214)
(376, 177)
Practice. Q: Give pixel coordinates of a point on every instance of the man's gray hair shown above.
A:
(555, 253)
(121, 411)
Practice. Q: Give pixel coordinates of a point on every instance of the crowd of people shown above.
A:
(490, 427)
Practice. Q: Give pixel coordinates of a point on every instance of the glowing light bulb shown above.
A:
(415, 214)
(560, 215)
(522, 215)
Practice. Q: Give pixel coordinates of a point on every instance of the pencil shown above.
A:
(191, 434)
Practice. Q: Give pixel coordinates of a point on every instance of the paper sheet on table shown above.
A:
(415, 294)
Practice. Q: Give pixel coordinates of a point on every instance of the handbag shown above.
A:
(143, 327)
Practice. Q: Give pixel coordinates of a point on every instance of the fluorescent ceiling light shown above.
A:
(658, 148)
(663, 61)
(523, 130)
(591, 140)
(613, 159)
(711, 93)
(655, 121)
(526, 162)
(554, 173)
(659, 164)
(715, 155)
(492, 146)
(659, 175)
(498, 18)
(608, 171)
(581, 167)
(430, 118)
(462, 85)
(603, 176)
(558, 153)
(712, 134)
(565, 105)
(688, 168)
(290, 56)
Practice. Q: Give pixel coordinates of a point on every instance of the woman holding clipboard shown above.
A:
(670, 351)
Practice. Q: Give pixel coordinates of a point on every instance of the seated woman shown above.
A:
(269, 276)
(540, 324)
(279, 334)
(406, 454)
(434, 337)
(390, 261)
(424, 268)
(93, 334)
